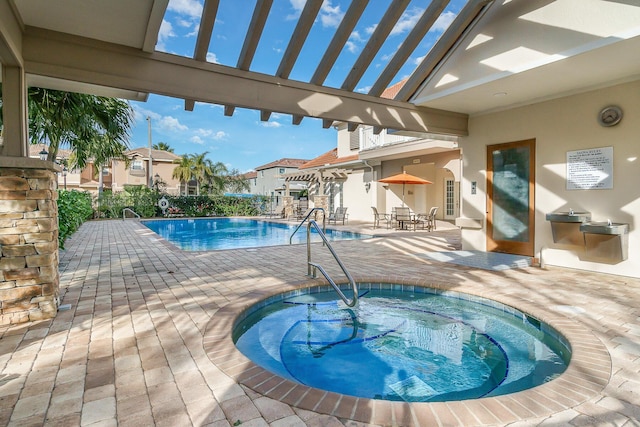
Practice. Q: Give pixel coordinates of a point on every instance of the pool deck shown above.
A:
(143, 337)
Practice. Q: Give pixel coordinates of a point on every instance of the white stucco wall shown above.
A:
(559, 126)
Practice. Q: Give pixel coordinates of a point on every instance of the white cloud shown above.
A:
(191, 8)
(297, 6)
(140, 114)
(211, 57)
(270, 124)
(353, 43)
(369, 30)
(196, 140)
(407, 21)
(210, 134)
(443, 21)
(184, 22)
(171, 124)
(365, 89)
(166, 31)
(330, 16)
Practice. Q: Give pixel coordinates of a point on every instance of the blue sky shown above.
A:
(242, 141)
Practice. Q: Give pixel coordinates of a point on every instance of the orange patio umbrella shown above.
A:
(404, 178)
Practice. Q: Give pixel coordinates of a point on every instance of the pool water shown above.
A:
(235, 233)
(414, 346)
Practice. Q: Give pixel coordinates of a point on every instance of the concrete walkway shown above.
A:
(129, 346)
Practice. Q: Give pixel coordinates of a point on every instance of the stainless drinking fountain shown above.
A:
(565, 226)
(606, 241)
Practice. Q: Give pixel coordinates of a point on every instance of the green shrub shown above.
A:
(74, 208)
(139, 198)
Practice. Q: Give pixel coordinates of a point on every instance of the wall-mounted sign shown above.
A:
(590, 169)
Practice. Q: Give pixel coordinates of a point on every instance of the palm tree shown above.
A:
(91, 126)
(184, 171)
(236, 182)
(163, 146)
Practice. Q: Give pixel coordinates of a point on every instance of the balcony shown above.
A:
(386, 146)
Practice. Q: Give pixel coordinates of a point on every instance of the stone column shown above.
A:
(29, 279)
(287, 203)
(321, 201)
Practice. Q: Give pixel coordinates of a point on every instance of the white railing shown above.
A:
(370, 141)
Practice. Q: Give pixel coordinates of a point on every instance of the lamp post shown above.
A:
(43, 154)
(64, 176)
(150, 158)
(156, 182)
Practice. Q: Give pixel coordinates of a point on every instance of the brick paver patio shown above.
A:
(133, 342)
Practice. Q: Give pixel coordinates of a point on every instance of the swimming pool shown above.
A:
(409, 344)
(208, 234)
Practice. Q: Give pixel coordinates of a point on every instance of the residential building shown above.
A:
(138, 171)
(269, 179)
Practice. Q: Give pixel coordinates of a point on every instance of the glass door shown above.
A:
(510, 197)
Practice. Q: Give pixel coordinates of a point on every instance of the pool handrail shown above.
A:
(306, 217)
(354, 287)
(125, 210)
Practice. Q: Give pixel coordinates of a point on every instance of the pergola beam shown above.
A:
(73, 58)
(407, 47)
(379, 36)
(209, 12)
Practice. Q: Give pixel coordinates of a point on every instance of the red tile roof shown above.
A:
(285, 163)
(393, 90)
(330, 157)
(250, 175)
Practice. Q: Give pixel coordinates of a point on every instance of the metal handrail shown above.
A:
(324, 222)
(129, 210)
(316, 266)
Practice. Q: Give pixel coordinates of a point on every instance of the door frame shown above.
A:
(512, 247)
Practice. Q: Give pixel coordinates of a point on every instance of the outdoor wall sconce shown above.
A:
(43, 154)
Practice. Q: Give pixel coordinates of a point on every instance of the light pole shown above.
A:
(150, 159)
(64, 176)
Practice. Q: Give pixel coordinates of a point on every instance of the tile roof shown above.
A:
(155, 154)
(330, 157)
(287, 163)
(35, 149)
(393, 90)
(250, 175)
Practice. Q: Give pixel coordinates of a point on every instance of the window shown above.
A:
(281, 170)
(136, 165)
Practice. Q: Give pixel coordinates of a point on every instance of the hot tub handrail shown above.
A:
(324, 224)
(315, 266)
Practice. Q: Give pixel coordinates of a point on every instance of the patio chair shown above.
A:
(277, 213)
(340, 215)
(404, 219)
(377, 217)
(427, 221)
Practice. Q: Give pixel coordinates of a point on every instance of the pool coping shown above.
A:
(586, 376)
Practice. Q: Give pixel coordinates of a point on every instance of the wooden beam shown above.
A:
(72, 58)
(309, 13)
(339, 40)
(388, 21)
(258, 20)
(405, 50)
(209, 12)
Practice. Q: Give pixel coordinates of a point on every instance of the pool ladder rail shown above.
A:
(130, 211)
(312, 267)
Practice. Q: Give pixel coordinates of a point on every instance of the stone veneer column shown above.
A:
(321, 202)
(287, 203)
(29, 279)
